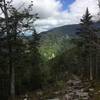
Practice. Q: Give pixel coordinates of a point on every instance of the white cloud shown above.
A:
(69, 16)
(45, 8)
(79, 6)
(51, 14)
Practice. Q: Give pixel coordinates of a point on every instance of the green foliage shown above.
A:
(35, 62)
(52, 45)
(20, 60)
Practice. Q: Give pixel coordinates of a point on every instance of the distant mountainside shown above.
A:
(58, 39)
(68, 30)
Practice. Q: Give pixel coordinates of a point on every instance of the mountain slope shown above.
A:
(57, 40)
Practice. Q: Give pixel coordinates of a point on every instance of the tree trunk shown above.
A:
(90, 66)
(12, 83)
(96, 65)
(11, 67)
(12, 72)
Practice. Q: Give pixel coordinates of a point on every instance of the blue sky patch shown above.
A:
(66, 3)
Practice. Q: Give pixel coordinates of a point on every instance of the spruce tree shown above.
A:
(87, 36)
(35, 60)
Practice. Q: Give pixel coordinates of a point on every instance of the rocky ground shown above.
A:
(75, 90)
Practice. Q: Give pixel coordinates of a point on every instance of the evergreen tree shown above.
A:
(35, 59)
(87, 36)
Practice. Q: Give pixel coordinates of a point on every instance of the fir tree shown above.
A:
(35, 60)
(87, 36)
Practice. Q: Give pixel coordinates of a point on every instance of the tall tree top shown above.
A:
(87, 18)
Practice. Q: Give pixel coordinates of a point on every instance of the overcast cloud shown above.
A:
(51, 13)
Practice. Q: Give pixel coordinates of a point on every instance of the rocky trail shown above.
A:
(75, 90)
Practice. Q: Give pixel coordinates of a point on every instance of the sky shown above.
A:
(55, 13)
(66, 3)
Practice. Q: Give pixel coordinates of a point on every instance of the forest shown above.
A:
(47, 65)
